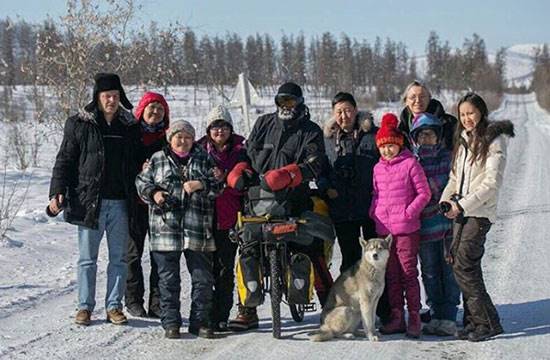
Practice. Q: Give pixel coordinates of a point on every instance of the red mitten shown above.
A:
(279, 179)
(239, 175)
(295, 173)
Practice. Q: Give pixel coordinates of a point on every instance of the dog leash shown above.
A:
(460, 221)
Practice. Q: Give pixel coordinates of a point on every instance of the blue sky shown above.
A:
(500, 23)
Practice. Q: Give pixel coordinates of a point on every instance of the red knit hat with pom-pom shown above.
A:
(388, 132)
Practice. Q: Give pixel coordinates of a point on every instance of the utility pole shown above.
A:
(245, 99)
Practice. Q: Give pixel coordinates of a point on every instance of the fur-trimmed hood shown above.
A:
(364, 121)
(126, 117)
(494, 130)
(497, 128)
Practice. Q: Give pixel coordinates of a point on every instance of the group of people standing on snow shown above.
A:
(424, 177)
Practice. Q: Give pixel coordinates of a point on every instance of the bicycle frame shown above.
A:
(274, 256)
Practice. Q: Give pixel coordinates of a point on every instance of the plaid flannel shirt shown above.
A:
(188, 224)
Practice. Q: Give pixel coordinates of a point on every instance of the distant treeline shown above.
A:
(90, 39)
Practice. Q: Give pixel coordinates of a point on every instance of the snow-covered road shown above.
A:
(38, 290)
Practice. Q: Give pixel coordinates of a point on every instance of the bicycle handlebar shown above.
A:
(263, 220)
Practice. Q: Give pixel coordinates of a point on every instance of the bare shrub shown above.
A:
(94, 38)
(13, 193)
(23, 145)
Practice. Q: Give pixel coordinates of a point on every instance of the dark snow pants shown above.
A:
(467, 250)
(135, 289)
(201, 268)
(224, 275)
(168, 263)
(199, 265)
(348, 234)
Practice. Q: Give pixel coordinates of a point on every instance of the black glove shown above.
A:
(312, 167)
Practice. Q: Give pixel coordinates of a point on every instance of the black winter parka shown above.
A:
(79, 166)
(351, 157)
(274, 143)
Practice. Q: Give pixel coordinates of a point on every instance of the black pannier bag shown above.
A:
(300, 279)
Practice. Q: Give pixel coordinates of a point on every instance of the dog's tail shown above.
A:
(322, 335)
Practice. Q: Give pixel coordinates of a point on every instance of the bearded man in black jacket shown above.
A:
(285, 152)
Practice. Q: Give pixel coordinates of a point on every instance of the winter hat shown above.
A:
(388, 132)
(425, 121)
(106, 82)
(148, 98)
(177, 126)
(217, 113)
(289, 89)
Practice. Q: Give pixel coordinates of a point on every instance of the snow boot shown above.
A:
(414, 327)
(202, 332)
(246, 319)
(446, 328)
(463, 333)
(396, 324)
(116, 317)
(431, 327)
(482, 333)
(83, 317)
(172, 333)
(136, 310)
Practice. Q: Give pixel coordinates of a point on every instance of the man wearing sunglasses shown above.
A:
(285, 151)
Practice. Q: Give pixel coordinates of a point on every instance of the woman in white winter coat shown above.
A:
(479, 158)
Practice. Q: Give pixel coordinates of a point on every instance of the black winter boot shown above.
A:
(172, 333)
(136, 310)
(463, 333)
(482, 333)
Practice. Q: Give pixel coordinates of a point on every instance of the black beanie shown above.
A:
(290, 89)
(106, 82)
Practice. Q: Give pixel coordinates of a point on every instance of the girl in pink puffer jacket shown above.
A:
(401, 192)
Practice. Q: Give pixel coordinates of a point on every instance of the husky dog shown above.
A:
(355, 294)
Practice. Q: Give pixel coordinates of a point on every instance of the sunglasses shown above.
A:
(287, 101)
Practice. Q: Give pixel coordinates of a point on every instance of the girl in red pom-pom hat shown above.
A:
(401, 192)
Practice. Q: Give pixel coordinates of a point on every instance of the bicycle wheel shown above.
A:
(297, 311)
(276, 292)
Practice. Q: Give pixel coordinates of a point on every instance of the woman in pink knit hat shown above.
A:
(153, 115)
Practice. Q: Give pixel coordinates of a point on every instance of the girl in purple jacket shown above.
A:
(400, 193)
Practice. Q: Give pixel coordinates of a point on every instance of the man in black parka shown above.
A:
(285, 152)
(92, 181)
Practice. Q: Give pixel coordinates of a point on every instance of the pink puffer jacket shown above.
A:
(400, 193)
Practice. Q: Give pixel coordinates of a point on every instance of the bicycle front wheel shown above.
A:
(276, 292)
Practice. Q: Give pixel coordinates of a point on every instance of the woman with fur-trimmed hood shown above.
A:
(471, 196)
(352, 153)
